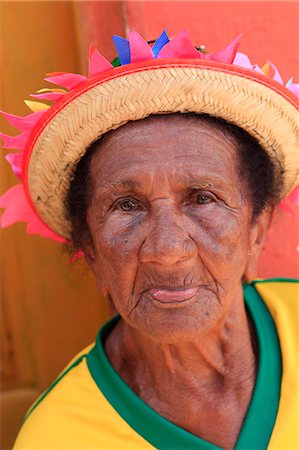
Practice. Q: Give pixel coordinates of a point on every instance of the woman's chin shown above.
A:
(175, 321)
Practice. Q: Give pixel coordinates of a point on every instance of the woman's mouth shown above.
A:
(173, 295)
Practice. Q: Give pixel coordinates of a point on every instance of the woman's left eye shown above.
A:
(127, 205)
(203, 198)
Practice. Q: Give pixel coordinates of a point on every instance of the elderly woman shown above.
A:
(171, 211)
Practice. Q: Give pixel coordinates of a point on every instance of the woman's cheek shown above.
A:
(219, 233)
(117, 243)
(119, 235)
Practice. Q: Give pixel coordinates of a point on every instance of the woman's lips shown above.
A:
(173, 295)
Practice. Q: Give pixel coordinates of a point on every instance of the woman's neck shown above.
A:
(193, 384)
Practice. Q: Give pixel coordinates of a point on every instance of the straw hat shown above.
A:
(171, 76)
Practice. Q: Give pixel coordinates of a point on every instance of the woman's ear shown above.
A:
(89, 254)
(92, 261)
(258, 232)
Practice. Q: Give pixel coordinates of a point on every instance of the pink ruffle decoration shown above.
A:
(140, 50)
(18, 141)
(257, 68)
(242, 60)
(182, 47)
(52, 96)
(77, 256)
(179, 47)
(226, 55)
(66, 80)
(17, 209)
(269, 69)
(272, 72)
(16, 162)
(294, 88)
(25, 123)
(97, 63)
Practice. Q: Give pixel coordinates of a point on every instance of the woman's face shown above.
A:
(170, 223)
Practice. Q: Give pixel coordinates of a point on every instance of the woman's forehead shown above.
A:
(185, 126)
(186, 146)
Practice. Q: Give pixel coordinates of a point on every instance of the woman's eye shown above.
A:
(203, 199)
(127, 205)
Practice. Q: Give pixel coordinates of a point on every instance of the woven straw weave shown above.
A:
(258, 109)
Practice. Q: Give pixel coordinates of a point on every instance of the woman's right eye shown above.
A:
(127, 205)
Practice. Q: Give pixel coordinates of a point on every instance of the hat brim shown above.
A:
(261, 106)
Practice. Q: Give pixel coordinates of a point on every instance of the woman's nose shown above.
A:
(167, 242)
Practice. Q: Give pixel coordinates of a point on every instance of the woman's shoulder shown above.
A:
(279, 293)
(74, 413)
(64, 415)
(46, 421)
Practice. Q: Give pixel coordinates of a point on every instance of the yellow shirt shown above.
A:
(90, 407)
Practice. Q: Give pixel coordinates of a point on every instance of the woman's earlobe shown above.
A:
(102, 289)
(257, 240)
(250, 271)
(90, 256)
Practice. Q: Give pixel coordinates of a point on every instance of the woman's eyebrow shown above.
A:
(118, 185)
(203, 181)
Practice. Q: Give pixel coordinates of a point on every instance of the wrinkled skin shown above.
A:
(169, 211)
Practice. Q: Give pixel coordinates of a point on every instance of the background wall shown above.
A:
(50, 308)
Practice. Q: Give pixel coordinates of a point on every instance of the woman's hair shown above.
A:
(255, 168)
